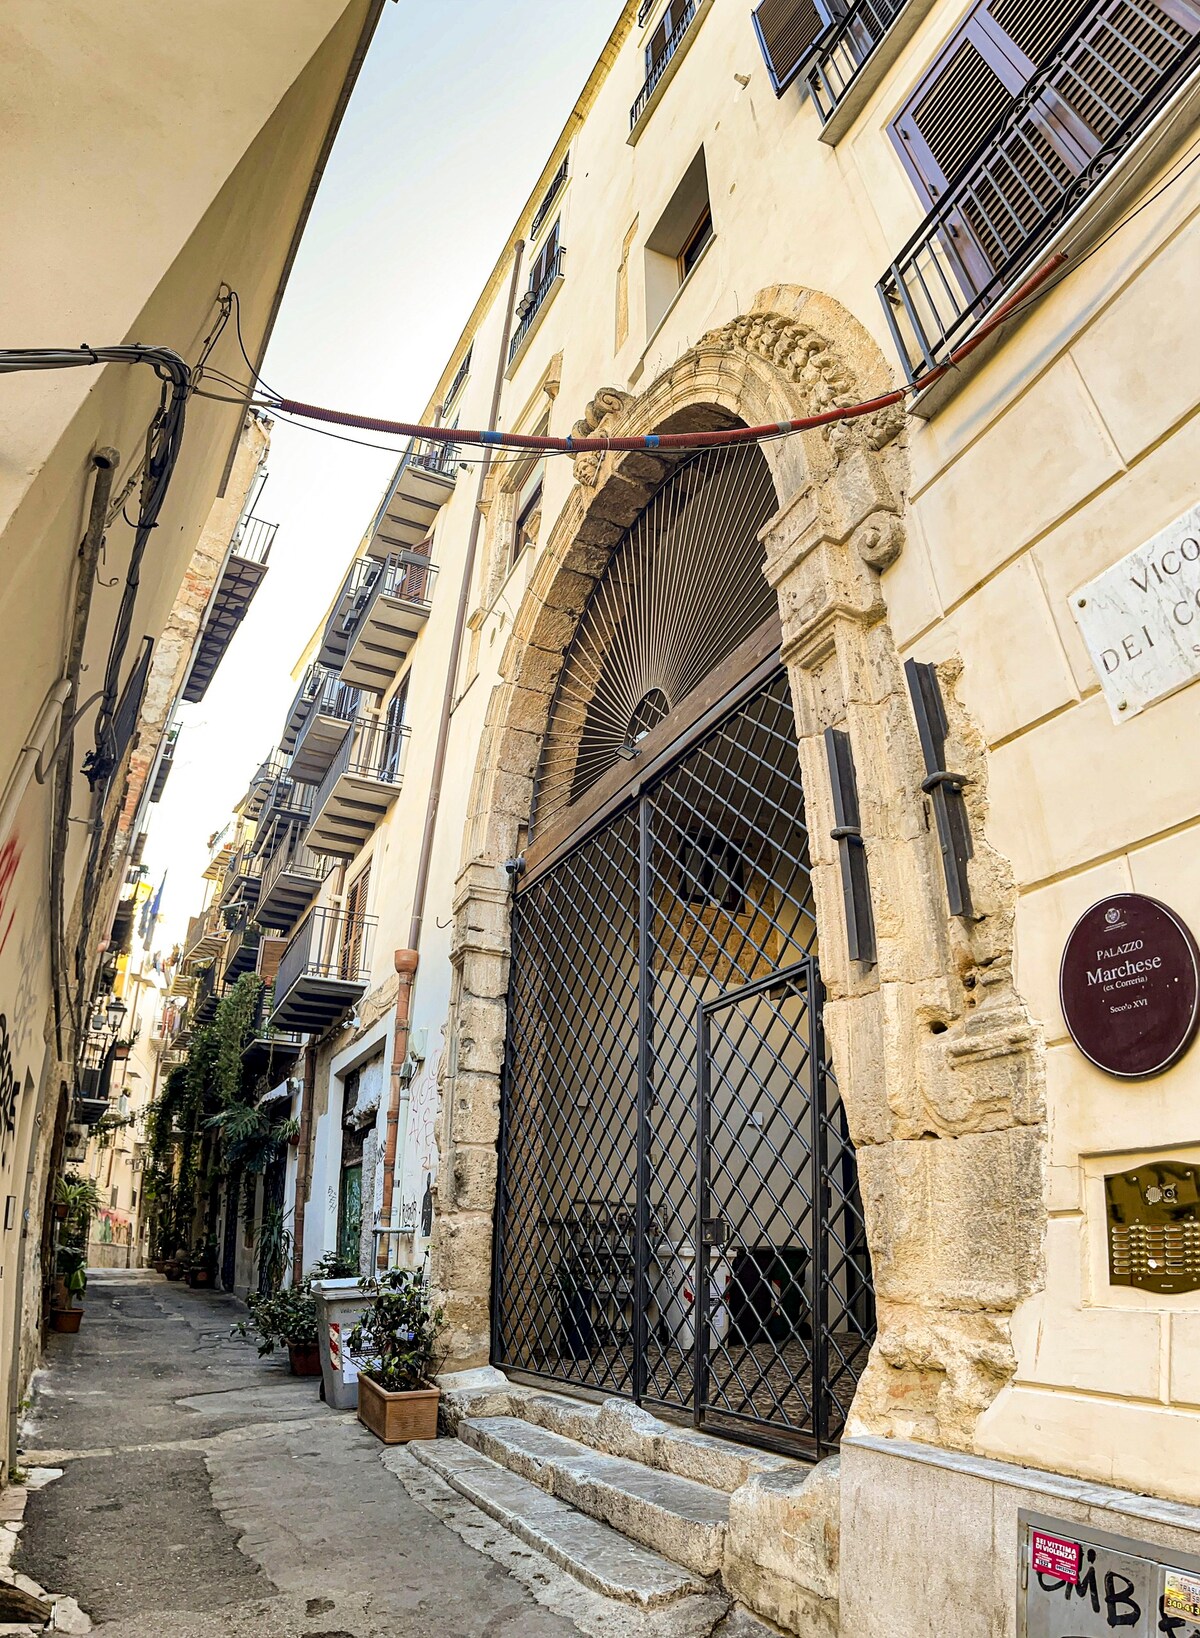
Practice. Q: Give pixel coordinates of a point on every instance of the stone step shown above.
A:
(680, 1518)
(593, 1553)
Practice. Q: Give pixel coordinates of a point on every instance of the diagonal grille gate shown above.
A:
(678, 1218)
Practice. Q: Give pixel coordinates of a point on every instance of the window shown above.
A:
(350, 1190)
(393, 732)
(697, 240)
(557, 184)
(656, 45)
(543, 263)
(680, 237)
(788, 31)
(529, 511)
(353, 934)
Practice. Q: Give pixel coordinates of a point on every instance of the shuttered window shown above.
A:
(666, 26)
(544, 261)
(1107, 56)
(355, 928)
(787, 32)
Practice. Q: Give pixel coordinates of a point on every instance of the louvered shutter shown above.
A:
(270, 953)
(544, 260)
(352, 936)
(787, 32)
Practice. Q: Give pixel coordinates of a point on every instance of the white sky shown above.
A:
(453, 116)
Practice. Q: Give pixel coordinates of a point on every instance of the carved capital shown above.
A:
(608, 403)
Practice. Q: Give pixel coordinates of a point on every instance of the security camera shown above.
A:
(515, 866)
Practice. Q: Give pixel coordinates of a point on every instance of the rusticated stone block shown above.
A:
(781, 1548)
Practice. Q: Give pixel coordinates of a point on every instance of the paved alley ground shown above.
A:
(209, 1494)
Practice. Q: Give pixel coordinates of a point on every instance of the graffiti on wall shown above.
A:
(420, 1148)
(9, 1088)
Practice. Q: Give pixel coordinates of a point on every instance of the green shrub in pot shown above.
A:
(397, 1337)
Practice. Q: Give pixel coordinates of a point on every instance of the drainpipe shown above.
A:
(105, 462)
(406, 960)
(303, 1161)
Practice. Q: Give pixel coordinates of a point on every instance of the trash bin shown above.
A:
(339, 1304)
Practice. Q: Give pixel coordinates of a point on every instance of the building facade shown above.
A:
(188, 194)
(676, 852)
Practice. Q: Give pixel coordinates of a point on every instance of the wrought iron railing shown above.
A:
(847, 50)
(658, 66)
(460, 376)
(267, 1036)
(371, 750)
(244, 866)
(165, 763)
(286, 799)
(1120, 64)
(533, 302)
(253, 540)
(435, 456)
(328, 943)
(557, 183)
(292, 858)
(406, 576)
(246, 937)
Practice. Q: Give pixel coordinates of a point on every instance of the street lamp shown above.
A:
(116, 1011)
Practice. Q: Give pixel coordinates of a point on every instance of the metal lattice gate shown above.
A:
(678, 1218)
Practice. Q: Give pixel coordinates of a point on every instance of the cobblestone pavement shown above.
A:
(206, 1493)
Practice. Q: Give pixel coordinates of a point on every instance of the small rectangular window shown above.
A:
(528, 513)
(678, 240)
(697, 239)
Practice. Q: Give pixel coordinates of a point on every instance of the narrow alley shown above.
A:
(206, 1493)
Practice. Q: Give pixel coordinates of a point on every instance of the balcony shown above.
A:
(324, 970)
(165, 763)
(241, 952)
(361, 785)
(662, 70)
(424, 482)
(854, 55)
(316, 724)
(270, 1051)
(208, 993)
(242, 877)
(205, 938)
(533, 305)
(386, 619)
(1065, 156)
(291, 877)
(241, 576)
(287, 802)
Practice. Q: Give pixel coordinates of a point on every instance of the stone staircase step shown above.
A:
(680, 1518)
(595, 1555)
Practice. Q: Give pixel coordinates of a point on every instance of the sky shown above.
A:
(412, 212)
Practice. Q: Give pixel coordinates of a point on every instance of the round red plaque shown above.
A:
(1130, 986)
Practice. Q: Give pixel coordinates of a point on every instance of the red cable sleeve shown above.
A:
(682, 440)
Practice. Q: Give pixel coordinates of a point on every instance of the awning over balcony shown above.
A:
(240, 579)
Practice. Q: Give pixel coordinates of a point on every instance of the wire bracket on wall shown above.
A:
(944, 790)
(852, 852)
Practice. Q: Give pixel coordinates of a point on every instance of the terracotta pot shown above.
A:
(397, 1417)
(159, 1264)
(306, 1360)
(66, 1319)
(60, 1211)
(173, 1271)
(199, 1276)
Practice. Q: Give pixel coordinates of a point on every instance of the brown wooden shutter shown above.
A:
(270, 951)
(355, 928)
(787, 31)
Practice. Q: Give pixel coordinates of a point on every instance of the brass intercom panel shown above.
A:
(1154, 1227)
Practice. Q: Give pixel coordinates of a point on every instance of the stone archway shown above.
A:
(938, 1061)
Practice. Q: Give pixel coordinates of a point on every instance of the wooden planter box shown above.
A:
(66, 1319)
(398, 1417)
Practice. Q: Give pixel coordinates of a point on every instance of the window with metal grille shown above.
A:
(788, 31)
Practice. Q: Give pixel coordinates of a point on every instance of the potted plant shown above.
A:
(397, 1341)
(202, 1263)
(288, 1319)
(71, 1282)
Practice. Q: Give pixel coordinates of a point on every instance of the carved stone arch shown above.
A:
(938, 1063)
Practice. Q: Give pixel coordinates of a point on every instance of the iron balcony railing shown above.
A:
(244, 867)
(165, 763)
(435, 457)
(328, 944)
(533, 301)
(288, 799)
(253, 540)
(557, 183)
(265, 776)
(406, 576)
(1121, 62)
(267, 1041)
(371, 750)
(658, 66)
(323, 694)
(292, 858)
(846, 51)
(460, 376)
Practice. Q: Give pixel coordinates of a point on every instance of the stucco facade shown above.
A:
(953, 536)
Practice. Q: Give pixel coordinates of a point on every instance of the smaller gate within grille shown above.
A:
(785, 1307)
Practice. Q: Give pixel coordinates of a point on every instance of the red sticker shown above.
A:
(1054, 1556)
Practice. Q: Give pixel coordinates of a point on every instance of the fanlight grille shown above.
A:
(683, 588)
